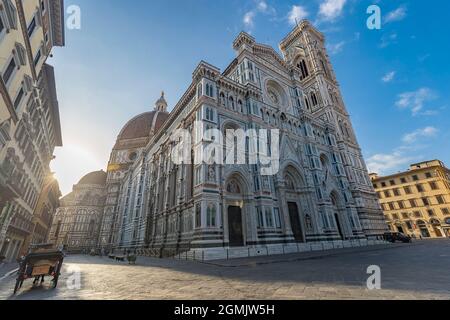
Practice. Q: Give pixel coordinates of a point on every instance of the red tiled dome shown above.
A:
(96, 177)
(142, 125)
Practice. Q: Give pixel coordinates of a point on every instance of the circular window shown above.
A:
(132, 156)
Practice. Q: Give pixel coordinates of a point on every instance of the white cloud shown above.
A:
(330, 10)
(387, 163)
(384, 163)
(427, 132)
(387, 40)
(297, 14)
(248, 19)
(415, 100)
(337, 47)
(396, 15)
(388, 77)
(260, 7)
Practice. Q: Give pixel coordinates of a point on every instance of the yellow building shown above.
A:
(417, 202)
(30, 126)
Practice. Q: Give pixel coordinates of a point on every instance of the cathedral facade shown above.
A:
(320, 192)
(76, 224)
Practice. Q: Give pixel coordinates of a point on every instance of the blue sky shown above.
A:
(395, 81)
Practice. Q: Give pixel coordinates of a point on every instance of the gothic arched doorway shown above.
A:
(335, 202)
(234, 211)
(293, 183)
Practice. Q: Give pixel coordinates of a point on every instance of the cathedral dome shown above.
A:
(96, 177)
(143, 125)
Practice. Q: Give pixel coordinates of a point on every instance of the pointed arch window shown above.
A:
(231, 101)
(314, 99)
(303, 69)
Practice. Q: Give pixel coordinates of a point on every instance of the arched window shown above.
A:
(211, 215)
(303, 69)
(314, 99)
(307, 103)
(199, 90)
(231, 101)
(240, 106)
(222, 99)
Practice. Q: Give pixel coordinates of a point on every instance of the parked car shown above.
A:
(397, 236)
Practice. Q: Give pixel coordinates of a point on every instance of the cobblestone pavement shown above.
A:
(418, 271)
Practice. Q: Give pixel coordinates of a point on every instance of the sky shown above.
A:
(395, 81)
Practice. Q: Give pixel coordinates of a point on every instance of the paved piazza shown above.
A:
(417, 271)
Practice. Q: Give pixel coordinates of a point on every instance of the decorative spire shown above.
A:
(161, 104)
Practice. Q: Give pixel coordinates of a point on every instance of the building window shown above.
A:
(420, 188)
(383, 184)
(401, 205)
(260, 218)
(434, 185)
(408, 190)
(38, 57)
(392, 182)
(209, 114)
(2, 25)
(10, 14)
(303, 69)
(446, 211)
(277, 218)
(409, 225)
(431, 213)
(9, 70)
(403, 180)
(440, 199)
(19, 98)
(397, 192)
(32, 27)
(269, 218)
(415, 178)
(209, 90)
(417, 214)
(314, 99)
(428, 175)
(387, 194)
(425, 202)
(198, 215)
(211, 215)
(413, 203)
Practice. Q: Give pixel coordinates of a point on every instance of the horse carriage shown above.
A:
(41, 262)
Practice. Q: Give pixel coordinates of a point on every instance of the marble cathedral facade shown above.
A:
(321, 192)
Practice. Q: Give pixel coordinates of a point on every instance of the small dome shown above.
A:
(96, 177)
(143, 125)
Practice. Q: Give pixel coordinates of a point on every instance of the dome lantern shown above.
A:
(161, 104)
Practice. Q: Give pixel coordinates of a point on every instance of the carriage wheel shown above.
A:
(18, 284)
(55, 282)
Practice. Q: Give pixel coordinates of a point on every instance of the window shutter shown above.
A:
(27, 83)
(11, 14)
(20, 54)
